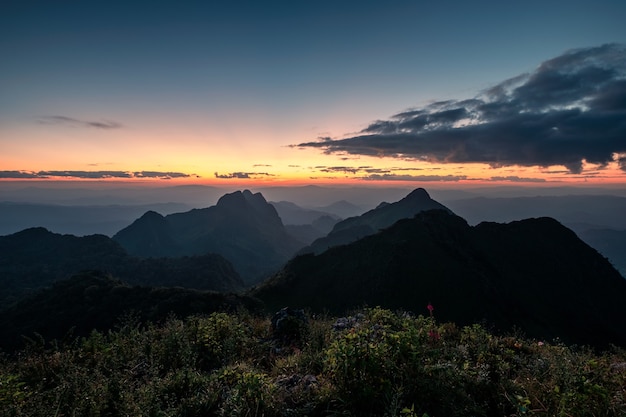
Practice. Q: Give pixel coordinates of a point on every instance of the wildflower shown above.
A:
(434, 335)
(540, 343)
(430, 308)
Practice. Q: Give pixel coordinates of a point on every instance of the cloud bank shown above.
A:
(91, 174)
(570, 109)
(242, 175)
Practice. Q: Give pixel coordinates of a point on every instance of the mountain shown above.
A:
(343, 209)
(243, 227)
(35, 258)
(305, 225)
(597, 219)
(315, 196)
(93, 300)
(386, 214)
(535, 275)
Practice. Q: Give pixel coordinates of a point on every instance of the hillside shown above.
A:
(535, 275)
(92, 300)
(610, 243)
(386, 214)
(35, 258)
(242, 227)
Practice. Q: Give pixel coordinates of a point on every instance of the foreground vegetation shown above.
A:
(374, 362)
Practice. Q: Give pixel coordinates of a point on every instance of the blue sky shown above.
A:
(226, 87)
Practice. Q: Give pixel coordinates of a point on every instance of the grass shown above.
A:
(375, 362)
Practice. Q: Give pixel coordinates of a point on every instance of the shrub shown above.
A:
(376, 362)
(222, 338)
(247, 392)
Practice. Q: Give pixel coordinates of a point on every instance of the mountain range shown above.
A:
(91, 300)
(597, 219)
(242, 227)
(36, 258)
(386, 214)
(535, 274)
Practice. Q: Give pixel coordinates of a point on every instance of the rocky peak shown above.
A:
(418, 194)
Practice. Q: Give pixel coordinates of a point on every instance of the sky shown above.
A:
(282, 93)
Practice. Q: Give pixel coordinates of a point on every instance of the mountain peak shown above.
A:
(418, 194)
(151, 215)
(383, 216)
(243, 227)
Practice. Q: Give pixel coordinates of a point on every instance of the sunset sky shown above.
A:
(397, 92)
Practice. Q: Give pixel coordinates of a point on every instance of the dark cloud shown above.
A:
(242, 175)
(345, 169)
(368, 173)
(18, 174)
(162, 175)
(425, 178)
(621, 160)
(515, 178)
(92, 174)
(69, 121)
(86, 174)
(363, 169)
(570, 109)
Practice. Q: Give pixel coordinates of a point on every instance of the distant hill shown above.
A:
(305, 225)
(606, 211)
(386, 214)
(598, 219)
(242, 227)
(535, 275)
(317, 197)
(36, 258)
(79, 220)
(93, 300)
(293, 214)
(343, 209)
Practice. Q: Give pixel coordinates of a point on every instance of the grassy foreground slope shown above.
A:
(374, 362)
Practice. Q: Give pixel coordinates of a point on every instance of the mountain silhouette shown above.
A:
(535, 275)
(243, 227)
(386, 214)
(35, 258)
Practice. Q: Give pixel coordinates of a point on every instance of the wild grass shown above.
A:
(373, 363)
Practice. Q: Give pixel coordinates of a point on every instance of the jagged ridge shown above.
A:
(242, 227)
(534, 274)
